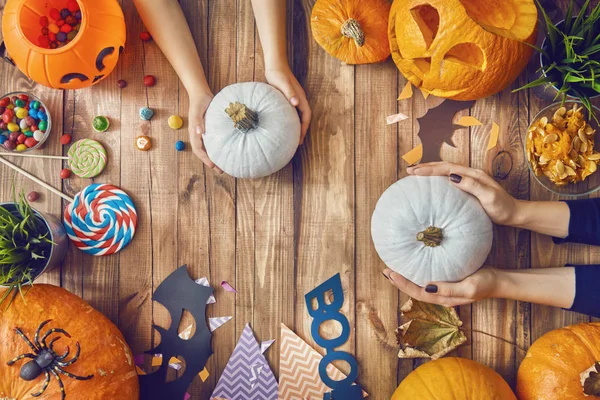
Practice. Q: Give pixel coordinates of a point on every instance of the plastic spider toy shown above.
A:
(45, 360)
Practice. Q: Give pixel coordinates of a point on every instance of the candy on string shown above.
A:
(87, 158)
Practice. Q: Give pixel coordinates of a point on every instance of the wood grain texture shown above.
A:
(276, 238)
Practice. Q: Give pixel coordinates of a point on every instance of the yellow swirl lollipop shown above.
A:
(87, 158)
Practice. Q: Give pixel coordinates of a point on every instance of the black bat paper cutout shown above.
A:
(436, 128)
(178, 292)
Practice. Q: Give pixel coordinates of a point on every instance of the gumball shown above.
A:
(13, 98)
(73, 6)
(21, 113)
(65, 139)
(29, 120)
(19, 103)
(64, 13)
(175, 122)
(51, 38)
(149, 80)
(66, 28)
(3, 139)
(71, 20)
(145, 36)
(122, 83)
(21, 147)
(23, 97)
(42, 125)
(180, 146)
(60, 23)
(45, 31)
(65, 173)
(9, 111)
(10, 145)
(71, 35)
(53, 45)
(78, 15)
(39, 135)
(28, 133)
(13, 136)
(44, 21)
(35, 105)
(3, 126)
(21, 138)
(54, 14)
(146, 113)
(43, 42)
(2, 109)
(33, 112)
(13, 127)
(42, 115)
(53, 28)
(33, 196)
(31, 142)
(4, 101)
(7, 118)
(23, 125)
(61, 36)
(33, 128)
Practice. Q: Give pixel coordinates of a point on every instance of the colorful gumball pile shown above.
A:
(61, 26)
(24, 122)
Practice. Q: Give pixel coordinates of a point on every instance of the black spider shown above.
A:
(46, 360)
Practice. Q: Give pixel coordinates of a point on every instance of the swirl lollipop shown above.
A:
(101, 220)
(87, 158)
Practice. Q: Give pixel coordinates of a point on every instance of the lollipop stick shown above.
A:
(35, 179)
(35, 156)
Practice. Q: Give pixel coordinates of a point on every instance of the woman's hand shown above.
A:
(284, 80)
(198, 105)
(482, 284)
(500, 206)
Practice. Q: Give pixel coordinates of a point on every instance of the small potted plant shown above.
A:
(570, 56)
(30, 244)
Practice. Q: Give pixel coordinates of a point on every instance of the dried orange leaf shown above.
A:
(407, 92)
(432, 331)
(493, 136)
(467, 120)
(414, 156)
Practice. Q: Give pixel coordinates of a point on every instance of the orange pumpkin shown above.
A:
(104, 352)
(462, 49)
(453, 378)
(354, 31)
(86, 60)
(559, 364)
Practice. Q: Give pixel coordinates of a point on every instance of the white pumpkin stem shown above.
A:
(431, 237)
(243, 118)
(352, 29)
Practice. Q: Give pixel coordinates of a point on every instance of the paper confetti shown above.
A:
(425, 93)
(175, 363)
(407, 92)
(467, 120)
(187, 396)
(413, 156)
(157, 360)
(392, 119)
(493, 136)
(228, 287)
(139, 370)
(204, 282)
(216, 322)
(265, 345)
(203, 374)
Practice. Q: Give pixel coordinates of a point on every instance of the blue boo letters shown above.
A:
(344, 389)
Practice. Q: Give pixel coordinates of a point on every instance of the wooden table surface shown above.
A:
(275, 239)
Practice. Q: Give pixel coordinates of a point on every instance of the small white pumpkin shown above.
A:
(252, 130)
(426, 229)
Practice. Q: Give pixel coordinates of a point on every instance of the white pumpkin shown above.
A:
(426, 229)
(251, 130)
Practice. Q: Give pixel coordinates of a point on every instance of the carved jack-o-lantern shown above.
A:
(86, 60)
(462, 49)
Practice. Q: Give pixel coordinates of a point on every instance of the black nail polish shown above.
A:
(431, 288)
(455, 178)
(386, 277)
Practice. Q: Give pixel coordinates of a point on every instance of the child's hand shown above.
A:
(198, 105)
(284, 80)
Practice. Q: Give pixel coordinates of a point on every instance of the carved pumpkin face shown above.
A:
(88, 59)
(462, 49)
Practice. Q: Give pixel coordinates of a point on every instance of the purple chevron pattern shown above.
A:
(237, 382)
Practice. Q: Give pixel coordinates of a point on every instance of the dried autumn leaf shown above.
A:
(432, 331)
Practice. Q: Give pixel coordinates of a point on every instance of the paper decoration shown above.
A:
(228, 287)
(204, 282)
(217, 322)
(299, 369)
(392, 119)
(407, 92)
(139, 370)
(247, 375)
(468, 120)
(176, 293)
(187, 396)
(265, 345)
(493, 136)
(185, 334)
(414, 155)
(203, 374)
(425, 93)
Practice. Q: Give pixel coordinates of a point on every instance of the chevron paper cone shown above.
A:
(299, 369)
(247, 375)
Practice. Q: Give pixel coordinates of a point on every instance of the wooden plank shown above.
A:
(376, 165)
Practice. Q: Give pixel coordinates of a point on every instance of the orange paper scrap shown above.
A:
(157, 361)
(493, 136)
(203, 374)
(392, 119)
(407, 92)
(468, 121)
(139, 370)
(299, 369)
(414, 156)
(425, 93)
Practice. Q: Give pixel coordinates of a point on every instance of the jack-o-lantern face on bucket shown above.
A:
(86, 60)
(462, 49)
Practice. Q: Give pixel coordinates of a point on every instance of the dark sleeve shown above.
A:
(584, 223)
(587, 290)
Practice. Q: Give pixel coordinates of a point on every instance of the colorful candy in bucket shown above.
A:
(24, 122)
(80, 59)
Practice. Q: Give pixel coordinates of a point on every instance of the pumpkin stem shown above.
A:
(243, 118)
(352, 29)
(431, 237)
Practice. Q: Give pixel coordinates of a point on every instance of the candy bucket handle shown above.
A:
(4, 54)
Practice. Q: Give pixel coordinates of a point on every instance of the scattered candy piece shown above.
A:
(54, 14)
(149, 80)
(30, 142)
(122, 83)
(145, 36)
(100, 123)
(33, 196)
(65, 139)
(143, 143)
(180, 146)
(10, 145)
(65, 173)
(228, 287)
(146, 113)
(21, 147)
(175, 122)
